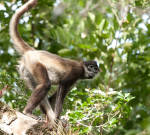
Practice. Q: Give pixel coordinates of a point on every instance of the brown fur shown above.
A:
(41, 69)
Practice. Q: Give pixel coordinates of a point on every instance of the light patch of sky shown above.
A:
(57, 2)
(1, 51)
(145, 17)
(129, 41)
(6, 15)
(148, 21)
(36, 42)
(122, 41)
(14, 7)
(148, 45)
(118, 34)
(21, 21)
(143, 26)
(71, 46)
(41, 22)
(26, 18)
(11, 51)
(124, 56)
(120, 50)
(2, 7)
(138, 52)
(109, 15)
(113, 44)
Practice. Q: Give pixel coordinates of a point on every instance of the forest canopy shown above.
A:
(115, 33)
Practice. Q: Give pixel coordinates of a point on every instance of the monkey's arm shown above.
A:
(60, 96)
(59, 100)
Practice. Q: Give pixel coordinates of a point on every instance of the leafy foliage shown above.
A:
(115, 33)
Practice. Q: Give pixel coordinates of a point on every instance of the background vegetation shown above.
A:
(115, 33)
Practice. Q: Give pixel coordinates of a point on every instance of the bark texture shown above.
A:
(15, 123)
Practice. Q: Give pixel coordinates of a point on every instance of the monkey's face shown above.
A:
(90, 69)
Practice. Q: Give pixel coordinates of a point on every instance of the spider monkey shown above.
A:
(41, 69)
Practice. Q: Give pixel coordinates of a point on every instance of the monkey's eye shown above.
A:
(90, 67)
(93, 68)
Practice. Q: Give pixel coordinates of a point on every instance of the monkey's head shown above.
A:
(90, 69)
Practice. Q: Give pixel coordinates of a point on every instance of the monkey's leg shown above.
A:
(46, 108)
(64, 87)
(61, 93)
(43, 107)
(59, 98)
(52, 100)
(39, 72)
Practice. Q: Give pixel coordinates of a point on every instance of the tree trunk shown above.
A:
(15, 123)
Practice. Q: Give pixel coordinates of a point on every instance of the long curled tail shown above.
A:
(20, 45)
